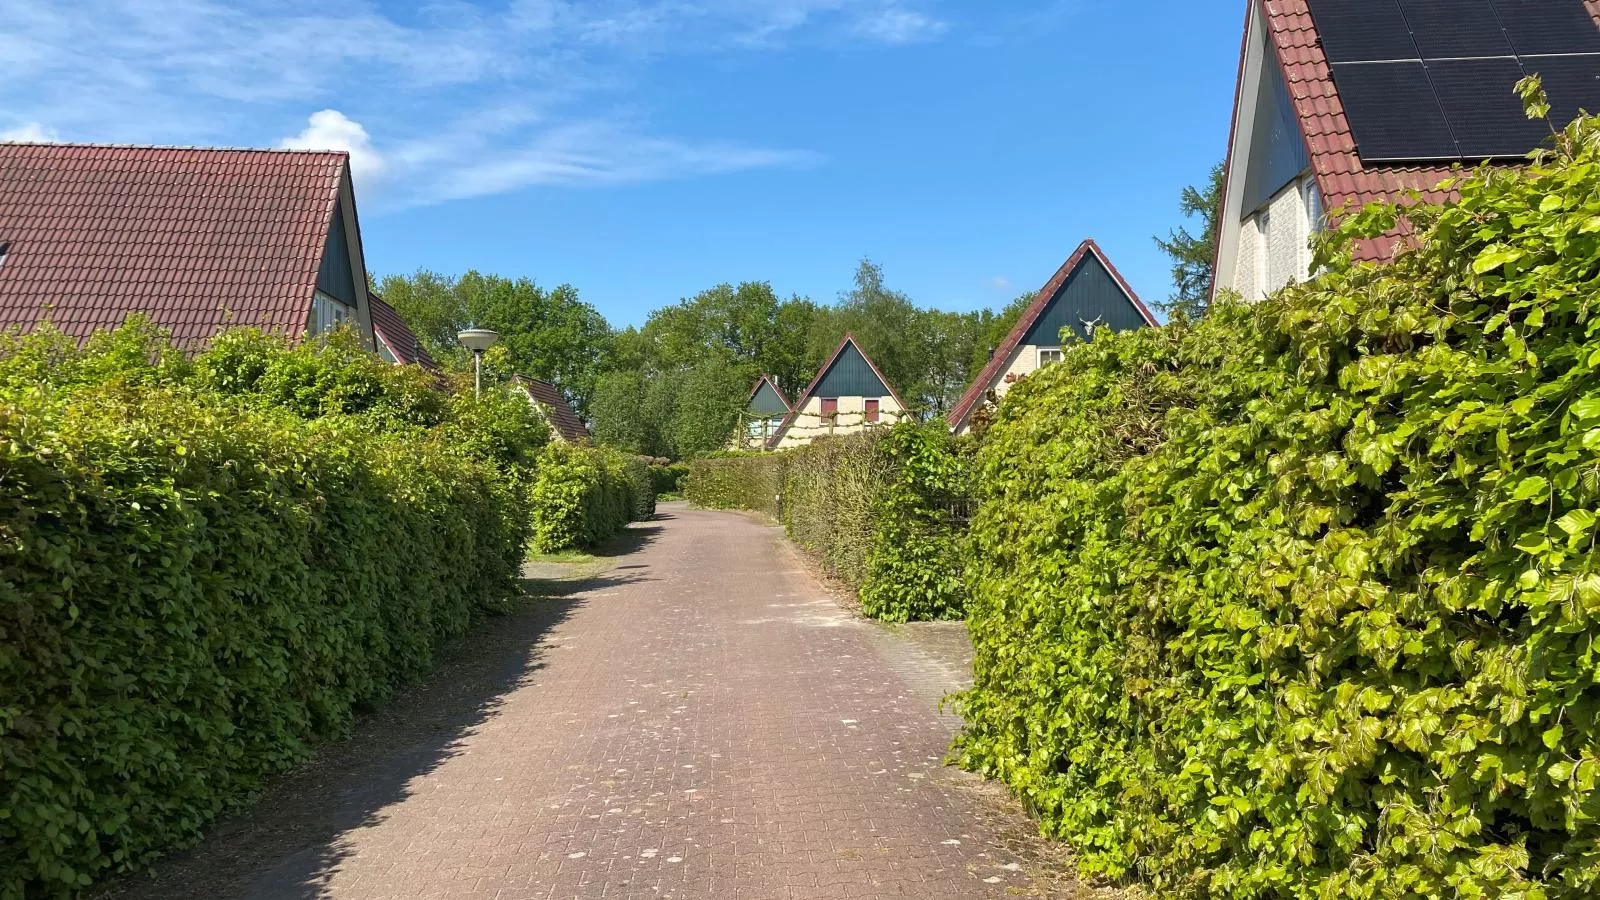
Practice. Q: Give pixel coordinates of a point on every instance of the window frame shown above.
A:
(1059, 355)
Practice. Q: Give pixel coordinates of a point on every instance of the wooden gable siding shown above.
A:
(1089, 294)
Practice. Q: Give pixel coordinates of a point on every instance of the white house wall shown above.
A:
(851, 419)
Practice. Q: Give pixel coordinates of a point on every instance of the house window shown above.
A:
(1048, 355)
(328, 314)
(873, 408)
(830, 411)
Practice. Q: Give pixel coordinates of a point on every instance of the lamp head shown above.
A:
(478, 339)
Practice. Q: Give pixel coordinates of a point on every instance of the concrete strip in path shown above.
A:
(702, 720)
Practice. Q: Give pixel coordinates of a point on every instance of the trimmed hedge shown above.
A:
(583, 497)
(916, 564)
(874, 508)
(199, 583)
(669, 478)
(1301, 601)
(751, 481)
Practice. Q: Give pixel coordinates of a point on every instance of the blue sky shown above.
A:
(643, 150)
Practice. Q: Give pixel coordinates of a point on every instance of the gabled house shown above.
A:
(849, 395)
(1353, 101)
(762, 416)
(395, 340)
(565, 426)
(1085, 295)
(197, 239)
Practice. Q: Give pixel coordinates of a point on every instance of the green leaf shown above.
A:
(1532, 487)
(1495, 257)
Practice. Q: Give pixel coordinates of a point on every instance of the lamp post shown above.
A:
(478, 340)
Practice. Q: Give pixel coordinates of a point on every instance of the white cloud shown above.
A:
(28, 133)
(899, 26)
(333, 130)
(463, 98)
(1001, 283)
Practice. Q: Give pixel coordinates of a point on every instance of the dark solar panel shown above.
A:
(1549, 26)
(1393, 112)
(1573, 83)
(1432, 79)
(1362, 30)
(1484, 114)
(1449, 29)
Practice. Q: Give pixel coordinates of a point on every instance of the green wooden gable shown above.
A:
(851, 376)
(335, 277)
(1089, 294)
(766, 402)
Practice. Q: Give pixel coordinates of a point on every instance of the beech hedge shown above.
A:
(198, 581)
(878, 510)
(1301, 600)
(584, 496)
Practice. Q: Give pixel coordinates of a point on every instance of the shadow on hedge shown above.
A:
(290, 842)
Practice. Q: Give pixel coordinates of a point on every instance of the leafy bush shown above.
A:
(198, 584)
(582, 497)
(1299, 601)
(915, 566)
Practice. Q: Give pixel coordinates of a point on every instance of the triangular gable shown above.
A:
(857, 371)
(851, 374)
(335, 278)
(1086, 289)
(766, 400)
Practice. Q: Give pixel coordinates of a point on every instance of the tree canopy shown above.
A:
(551, 335)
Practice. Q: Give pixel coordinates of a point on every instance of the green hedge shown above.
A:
(1301, 601)
(880, 510)
(830, 492)
(749, 481)
(915, 568)
(669, 478)
(583, 496)
(198, 583)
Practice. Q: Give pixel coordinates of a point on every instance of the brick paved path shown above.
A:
(702, 721)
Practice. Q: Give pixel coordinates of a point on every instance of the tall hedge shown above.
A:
(197, 583)
(915, 567)
(1301, 601)
(584, 496)
(751, 481)
(880, 510)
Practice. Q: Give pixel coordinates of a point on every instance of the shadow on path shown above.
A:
(290, 841)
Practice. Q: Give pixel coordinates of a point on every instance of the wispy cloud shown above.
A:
(28, 133)
(443, 101)
(900, 26)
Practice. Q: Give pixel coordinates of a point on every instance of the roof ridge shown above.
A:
(210, 148)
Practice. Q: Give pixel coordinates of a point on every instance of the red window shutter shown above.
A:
(830, 407)
(872, 411)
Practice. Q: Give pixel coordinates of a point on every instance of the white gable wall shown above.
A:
(1261, 250)
(852, 418)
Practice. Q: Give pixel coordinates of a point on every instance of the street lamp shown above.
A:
(478, 340)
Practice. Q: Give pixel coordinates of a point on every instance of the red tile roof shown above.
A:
(805, 396)
(196, 238)
(1002, 354)
(562, 418)
(391, 329)
(1341, 176)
